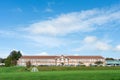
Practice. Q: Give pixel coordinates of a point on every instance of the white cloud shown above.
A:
(40, 54)
(43, 53)
(103, 46)
(6, 33)
(61, 25)
(93, 43)
(117, 48)
(46, 41)
(82, 21)
(50, 32)
(76, 54)
(90, 39)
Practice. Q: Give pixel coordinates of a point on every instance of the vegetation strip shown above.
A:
(63, 75)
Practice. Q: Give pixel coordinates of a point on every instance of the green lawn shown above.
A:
(62, 75)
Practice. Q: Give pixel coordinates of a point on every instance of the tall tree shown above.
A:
(19, 54)
(12, 58)
(15, 55)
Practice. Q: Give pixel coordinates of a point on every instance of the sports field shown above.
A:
(63, 75)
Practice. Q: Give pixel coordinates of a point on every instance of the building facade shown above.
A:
(112, 62)
(60, 60)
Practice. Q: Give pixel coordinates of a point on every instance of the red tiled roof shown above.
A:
(39, 57)
(71, 57)
(86, 57)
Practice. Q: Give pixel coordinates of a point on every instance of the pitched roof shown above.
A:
(86, 57)
(53, 57)
(39, 57)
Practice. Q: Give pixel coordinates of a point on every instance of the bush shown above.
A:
(72, 68)
(12, 69)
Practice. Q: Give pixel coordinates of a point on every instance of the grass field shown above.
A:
(17, 74)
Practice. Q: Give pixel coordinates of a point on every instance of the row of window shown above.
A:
(52, 61)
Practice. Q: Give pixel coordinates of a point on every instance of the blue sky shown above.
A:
(56, 27)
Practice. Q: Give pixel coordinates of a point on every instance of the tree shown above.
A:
(28, 64)
(12, 58)
(8, 62)
(98, 62)
(109, 59)
(19, 55)
(2, 60)
(80, 63)
(15, 55)
(62, 64)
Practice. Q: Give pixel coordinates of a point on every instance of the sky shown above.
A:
(60, 27)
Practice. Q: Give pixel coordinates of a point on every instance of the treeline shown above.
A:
(12, 58)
